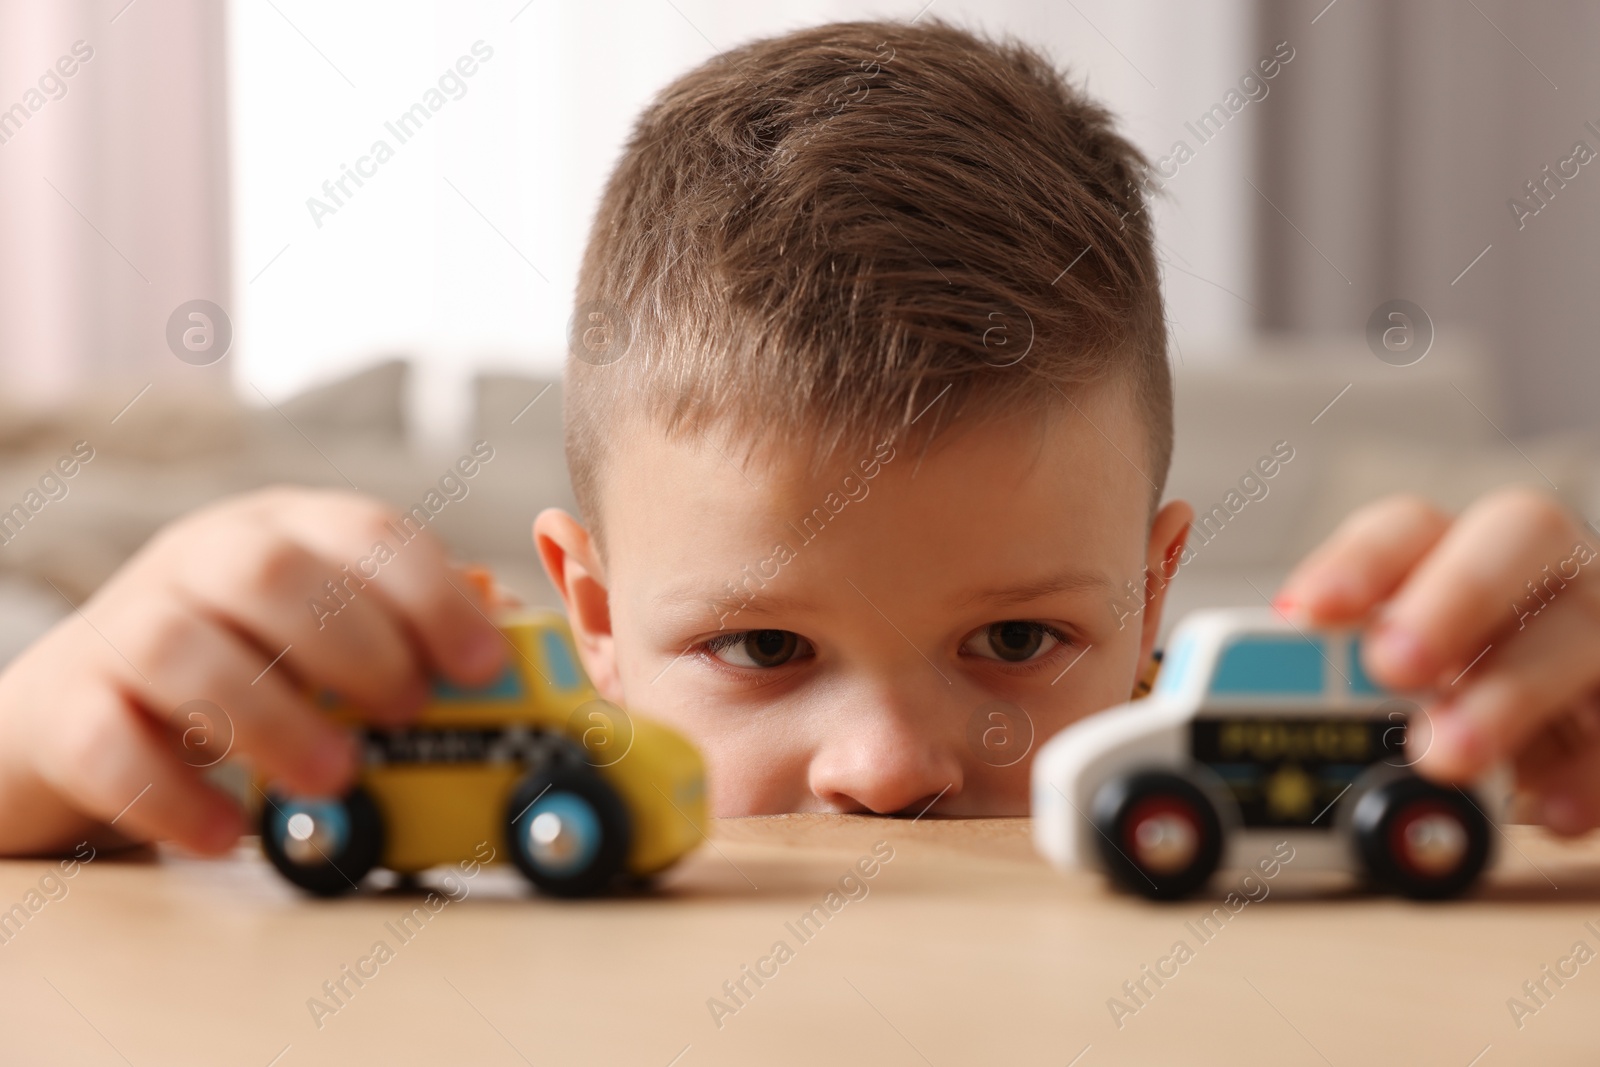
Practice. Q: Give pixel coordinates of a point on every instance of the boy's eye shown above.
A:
(1015, 641)
(758, 648)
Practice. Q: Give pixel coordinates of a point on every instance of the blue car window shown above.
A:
(563, 672)
(506, 687)
(1267, 665)
(1360, 684)
(1175, 664)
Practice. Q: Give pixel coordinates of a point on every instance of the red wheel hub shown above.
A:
(1428, 839)
(1162, 834)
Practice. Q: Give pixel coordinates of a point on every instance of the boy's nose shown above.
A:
(885, 762)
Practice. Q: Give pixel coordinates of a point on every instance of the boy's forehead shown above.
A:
(1021, 501)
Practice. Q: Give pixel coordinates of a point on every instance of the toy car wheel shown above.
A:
(568, 831)
(1420, 840)
(1159, 834)
(324, 846)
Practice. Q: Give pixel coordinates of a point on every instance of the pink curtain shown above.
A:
(113, 191)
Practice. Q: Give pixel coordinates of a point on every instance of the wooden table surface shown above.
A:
(963, 948)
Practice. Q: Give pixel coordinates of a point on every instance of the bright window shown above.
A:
(460, 250)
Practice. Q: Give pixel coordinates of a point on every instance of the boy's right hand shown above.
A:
(1497, 613)
(89, 730)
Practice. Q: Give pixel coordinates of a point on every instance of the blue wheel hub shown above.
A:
(311, 832)
(560, 833)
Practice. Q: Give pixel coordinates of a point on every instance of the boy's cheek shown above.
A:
(749, 768)
(742, 785)
(996, 793)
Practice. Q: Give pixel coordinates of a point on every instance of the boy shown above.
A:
(868, 417)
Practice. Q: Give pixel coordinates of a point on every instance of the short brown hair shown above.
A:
(818, 235)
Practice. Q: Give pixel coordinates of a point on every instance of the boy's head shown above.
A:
(868, 414)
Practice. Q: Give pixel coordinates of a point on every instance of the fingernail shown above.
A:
(1401, 655)
(1291, 608)
(1562, 813)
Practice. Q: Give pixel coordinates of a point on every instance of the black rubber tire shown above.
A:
(1123, 797)
(1373, 826)
(570, 782)
(332, 874)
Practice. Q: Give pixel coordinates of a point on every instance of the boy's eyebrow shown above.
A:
(756, 602)
(1067, 581)
(761, 602)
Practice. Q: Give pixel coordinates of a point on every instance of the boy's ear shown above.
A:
(1168, 534)
(569, 557)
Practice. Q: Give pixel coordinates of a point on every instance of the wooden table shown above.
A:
(962, 948)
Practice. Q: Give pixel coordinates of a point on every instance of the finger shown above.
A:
(1560, 771)
(185, 656)
(1449, 609)
(1364, 561)
(1516, 691)
(1575, 728)
(400, 560)
(119, 768)
(271, 589)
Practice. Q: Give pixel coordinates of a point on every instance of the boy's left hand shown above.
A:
(1496, 611)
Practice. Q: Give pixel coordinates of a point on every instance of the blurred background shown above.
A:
(185, 286)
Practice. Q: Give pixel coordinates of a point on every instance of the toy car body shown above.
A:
(1258, 733)
(575, 792)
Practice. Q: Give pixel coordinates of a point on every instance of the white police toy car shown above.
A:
(1258, 733)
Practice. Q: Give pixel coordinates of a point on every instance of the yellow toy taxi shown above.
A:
(579, 795)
